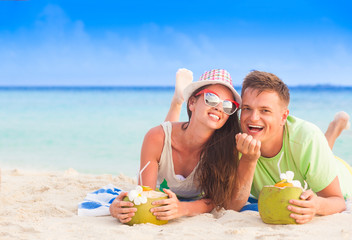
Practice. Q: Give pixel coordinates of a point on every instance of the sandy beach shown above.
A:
(43, 205)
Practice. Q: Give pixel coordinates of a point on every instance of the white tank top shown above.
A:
(186, 187)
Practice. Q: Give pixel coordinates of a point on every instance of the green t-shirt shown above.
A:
(308, 155)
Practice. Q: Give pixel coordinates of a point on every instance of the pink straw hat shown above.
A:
(215, 76)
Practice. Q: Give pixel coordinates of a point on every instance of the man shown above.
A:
(301, 146)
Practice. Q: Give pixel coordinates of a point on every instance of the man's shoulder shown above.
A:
(300, 132)
(306, 142)
(298, 125)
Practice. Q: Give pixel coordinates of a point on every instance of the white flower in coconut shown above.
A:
(289, 178)
(136, 196)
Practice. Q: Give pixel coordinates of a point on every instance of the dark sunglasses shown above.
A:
(212, 99)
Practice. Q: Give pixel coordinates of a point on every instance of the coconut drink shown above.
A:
(142, 198)
(273, 202)
(273, 199)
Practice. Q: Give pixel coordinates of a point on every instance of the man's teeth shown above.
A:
(214, 116)
(252, 127)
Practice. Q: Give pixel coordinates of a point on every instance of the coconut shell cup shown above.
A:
(143, 214)
(273, 202)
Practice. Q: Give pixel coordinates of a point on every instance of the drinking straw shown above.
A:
(278, 164)
(140, 172)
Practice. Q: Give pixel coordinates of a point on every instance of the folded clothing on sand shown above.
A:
(97, 203)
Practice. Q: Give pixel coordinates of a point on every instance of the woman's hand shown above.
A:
(248, 146)
(304, 210)
(172, 208)
(122, 210)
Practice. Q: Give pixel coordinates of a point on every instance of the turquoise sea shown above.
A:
(100, 129)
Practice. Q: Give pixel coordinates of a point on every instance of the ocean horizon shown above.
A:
(151, 87)
(100, 129)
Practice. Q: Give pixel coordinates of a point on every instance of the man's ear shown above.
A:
(284, 116)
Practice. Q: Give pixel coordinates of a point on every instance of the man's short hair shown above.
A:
(264, 81)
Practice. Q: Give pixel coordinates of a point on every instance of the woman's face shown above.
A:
(213, 117)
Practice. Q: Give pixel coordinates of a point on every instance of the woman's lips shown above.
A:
(214, 116)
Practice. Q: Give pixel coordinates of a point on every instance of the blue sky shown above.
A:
(122, 43)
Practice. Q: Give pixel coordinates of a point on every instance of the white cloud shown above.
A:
(60, 51)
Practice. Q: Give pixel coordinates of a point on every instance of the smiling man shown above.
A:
(301, 146)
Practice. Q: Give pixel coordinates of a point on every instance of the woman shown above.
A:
(199, 159)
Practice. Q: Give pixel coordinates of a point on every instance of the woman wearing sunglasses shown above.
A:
(199, 159)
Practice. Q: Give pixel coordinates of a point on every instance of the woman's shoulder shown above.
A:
(158, 133)
(155, 134)
(153, 144)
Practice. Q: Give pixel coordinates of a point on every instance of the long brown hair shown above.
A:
(217, 167)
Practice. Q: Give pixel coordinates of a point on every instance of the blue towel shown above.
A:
(97, 203)
(252, 205)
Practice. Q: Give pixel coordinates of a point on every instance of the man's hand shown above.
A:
(248, 146)
(304, 210)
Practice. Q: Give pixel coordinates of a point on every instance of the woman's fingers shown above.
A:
(124, 220)
(172, 198)
(165, 208)
(169, 208)
(166, 215)
(170, 193)
(122, 210)
(124, 204)
(126, 210)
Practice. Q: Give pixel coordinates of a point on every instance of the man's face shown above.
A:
(263, 116)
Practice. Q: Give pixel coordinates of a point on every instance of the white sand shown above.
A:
(43, 205)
